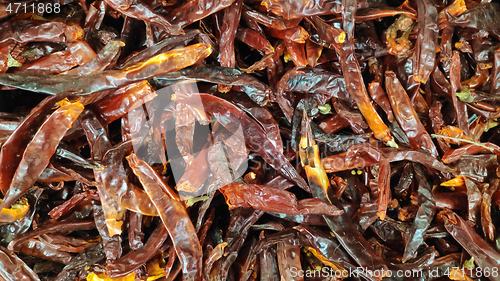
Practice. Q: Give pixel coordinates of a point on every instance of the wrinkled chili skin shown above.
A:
(406, 115)
(196, 10)
(255, 89)
(291, 10)
(460, 106)
(181, 230)
(427, 40)
(481, 17)
(142, 12)
(13, 268)
(12, 149)
(46, 139)
(255, 40)
(353, 79)
(110, 79)
(424, 215)
(105, 59)
(241, 195)
(495, 74)
(136, 258)
(476, 246)
(354, 243)
(228, 34)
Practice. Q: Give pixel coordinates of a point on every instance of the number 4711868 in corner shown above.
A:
(40, 8)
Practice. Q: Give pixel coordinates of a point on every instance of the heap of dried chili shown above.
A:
(249, 140)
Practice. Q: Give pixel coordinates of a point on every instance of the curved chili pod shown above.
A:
(173, 214)
(13, 148)
(291, 9)
(255, 40)
(105, 59)
(256, 90)
(232, 15)
(425, 214)
(195, 10)
(295, 34)
(460, 106)
(338, 162)
(453, 155)
(486, 221)
(136, 258)
(125, 99)
(380, 97)
(111, 79)
(354, 80)
(484, 255)
(143, 12)
(407, 116)
(269, 199)
(52, 226)
(269, 20)
(427, 40)
(165, 45)
(45, 140)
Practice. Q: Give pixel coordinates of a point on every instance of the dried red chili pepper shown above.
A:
(426, 41)
(111, 79)
(273, 200)
(484, 255)
(406, 115)
(181, 229)
(46, 139)
(353, 79)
